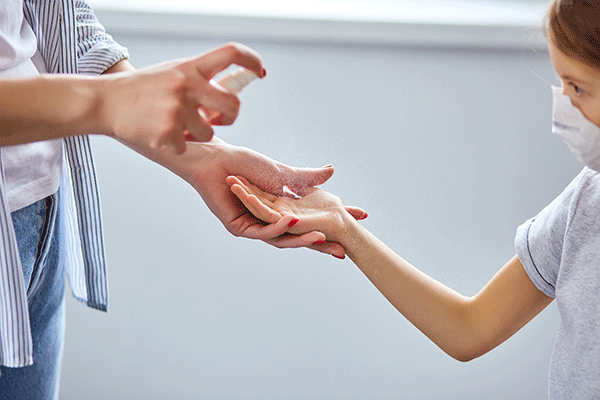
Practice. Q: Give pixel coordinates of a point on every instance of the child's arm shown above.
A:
(464, 327)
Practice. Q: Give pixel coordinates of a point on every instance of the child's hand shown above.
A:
(317, 211)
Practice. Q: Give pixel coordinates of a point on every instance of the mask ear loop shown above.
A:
(528, 68)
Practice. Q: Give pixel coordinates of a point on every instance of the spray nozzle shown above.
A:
(236, 80)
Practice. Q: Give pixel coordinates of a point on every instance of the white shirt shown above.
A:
(31, 171)
(17, 41)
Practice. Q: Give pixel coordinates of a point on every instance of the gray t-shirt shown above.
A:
(560, 250)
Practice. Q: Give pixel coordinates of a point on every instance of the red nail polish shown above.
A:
(217, 120)
(319, 242)
(365, 216)
(293, 222)
(341, 258)
(264, 72)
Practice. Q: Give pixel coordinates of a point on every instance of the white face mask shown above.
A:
(580, 134)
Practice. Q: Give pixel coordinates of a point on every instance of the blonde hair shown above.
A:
(574, 27)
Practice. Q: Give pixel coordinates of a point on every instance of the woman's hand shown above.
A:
(168, 104)
(206, 166)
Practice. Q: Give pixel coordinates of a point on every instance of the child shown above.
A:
(558, 251)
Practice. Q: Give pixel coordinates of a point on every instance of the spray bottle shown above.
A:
(234, 81)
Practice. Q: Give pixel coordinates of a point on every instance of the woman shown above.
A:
(49, 207)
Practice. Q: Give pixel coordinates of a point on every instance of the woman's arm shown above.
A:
(464, 327)
(206, 165)
(47, 107)
(120, 66)
(158, 106)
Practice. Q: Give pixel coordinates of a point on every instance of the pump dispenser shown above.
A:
(236, 80)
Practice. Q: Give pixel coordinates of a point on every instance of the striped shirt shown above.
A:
(70, 40)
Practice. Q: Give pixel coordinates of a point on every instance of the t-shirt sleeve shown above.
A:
(541, 267)
(539, 241)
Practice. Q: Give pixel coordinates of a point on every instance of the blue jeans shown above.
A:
(36, 228)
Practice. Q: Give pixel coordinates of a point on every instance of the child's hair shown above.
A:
(574, 27)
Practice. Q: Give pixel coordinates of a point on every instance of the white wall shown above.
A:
(448, 149)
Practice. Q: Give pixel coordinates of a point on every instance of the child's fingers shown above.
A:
(255, 206)
(357, 213)
(231, 180)
(240, 181)
(244, 197)
(271, 231)
(250, 188)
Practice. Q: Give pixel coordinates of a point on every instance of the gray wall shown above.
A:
(448, 150)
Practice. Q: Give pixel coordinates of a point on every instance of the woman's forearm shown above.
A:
(51, 106)
(48, 107)
(155, 108)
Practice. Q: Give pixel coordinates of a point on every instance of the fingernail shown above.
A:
(319, 242)
(264, 72)
(217, 120)
(340, 257)
(364, 216)
(293, 222)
